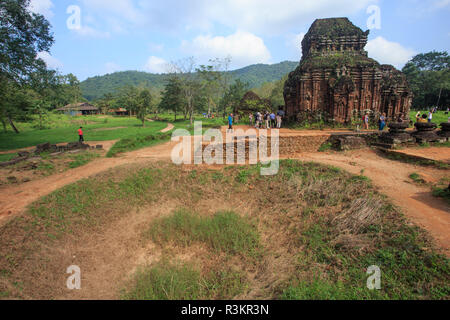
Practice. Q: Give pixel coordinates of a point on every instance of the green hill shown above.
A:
(257, 74)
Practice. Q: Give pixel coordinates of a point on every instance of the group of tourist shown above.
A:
(381, 121)
(266, 120)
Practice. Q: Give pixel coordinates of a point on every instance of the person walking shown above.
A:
(260, 120)
(230, 122)
(278, 121)
(382, 122)
(272, 120)
(280, 115)
(80, 135)
(366, 121)
(430, 116)
(267, 120)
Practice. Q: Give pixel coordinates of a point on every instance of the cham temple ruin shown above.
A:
(338, 80)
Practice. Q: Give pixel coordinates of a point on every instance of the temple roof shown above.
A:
(328, 36)
(334, 27)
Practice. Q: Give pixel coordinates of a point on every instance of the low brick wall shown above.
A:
(288, 145)
(298, 144)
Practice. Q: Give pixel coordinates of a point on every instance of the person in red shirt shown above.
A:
(80, 133)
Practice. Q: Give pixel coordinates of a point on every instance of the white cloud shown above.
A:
(156, 65)
(441, 4)
(388, 52)
(49, 60)
(115, 16)
(43, 7)
(257, 16)
(294, 45)
(112, 67)
(275, 17)
(244, 48)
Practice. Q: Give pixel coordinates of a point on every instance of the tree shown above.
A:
(184, 70)
(210, 83)
(172, 97)
(44, 83)
(15, 103)
(69, 89)
(276, 96)
(22, 36)
(233, 96)
(128, 98)
(143, 105)
(224, 79)
(431, 61)
(428, 75)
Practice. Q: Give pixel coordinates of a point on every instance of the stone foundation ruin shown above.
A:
(47, 147)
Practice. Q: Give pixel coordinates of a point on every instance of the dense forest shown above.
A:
(254, 75)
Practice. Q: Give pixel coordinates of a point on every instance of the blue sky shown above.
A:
(146, 35)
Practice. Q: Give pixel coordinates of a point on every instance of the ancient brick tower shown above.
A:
(337, 80)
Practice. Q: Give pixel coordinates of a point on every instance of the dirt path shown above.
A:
(392, 179)
(433, 153)
(169, 128)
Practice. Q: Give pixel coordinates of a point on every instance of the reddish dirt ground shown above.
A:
(168, 128)
(433, 153)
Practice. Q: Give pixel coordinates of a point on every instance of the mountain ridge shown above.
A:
(255, 75)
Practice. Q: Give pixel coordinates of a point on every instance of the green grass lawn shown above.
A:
(7, 157)
(180, 123)
(64, 129)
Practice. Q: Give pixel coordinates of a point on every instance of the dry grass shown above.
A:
(362, 213)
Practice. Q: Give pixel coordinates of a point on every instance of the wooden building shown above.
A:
(78, 109)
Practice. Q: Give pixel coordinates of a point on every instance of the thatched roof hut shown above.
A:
(251, 102)
(79, 108)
